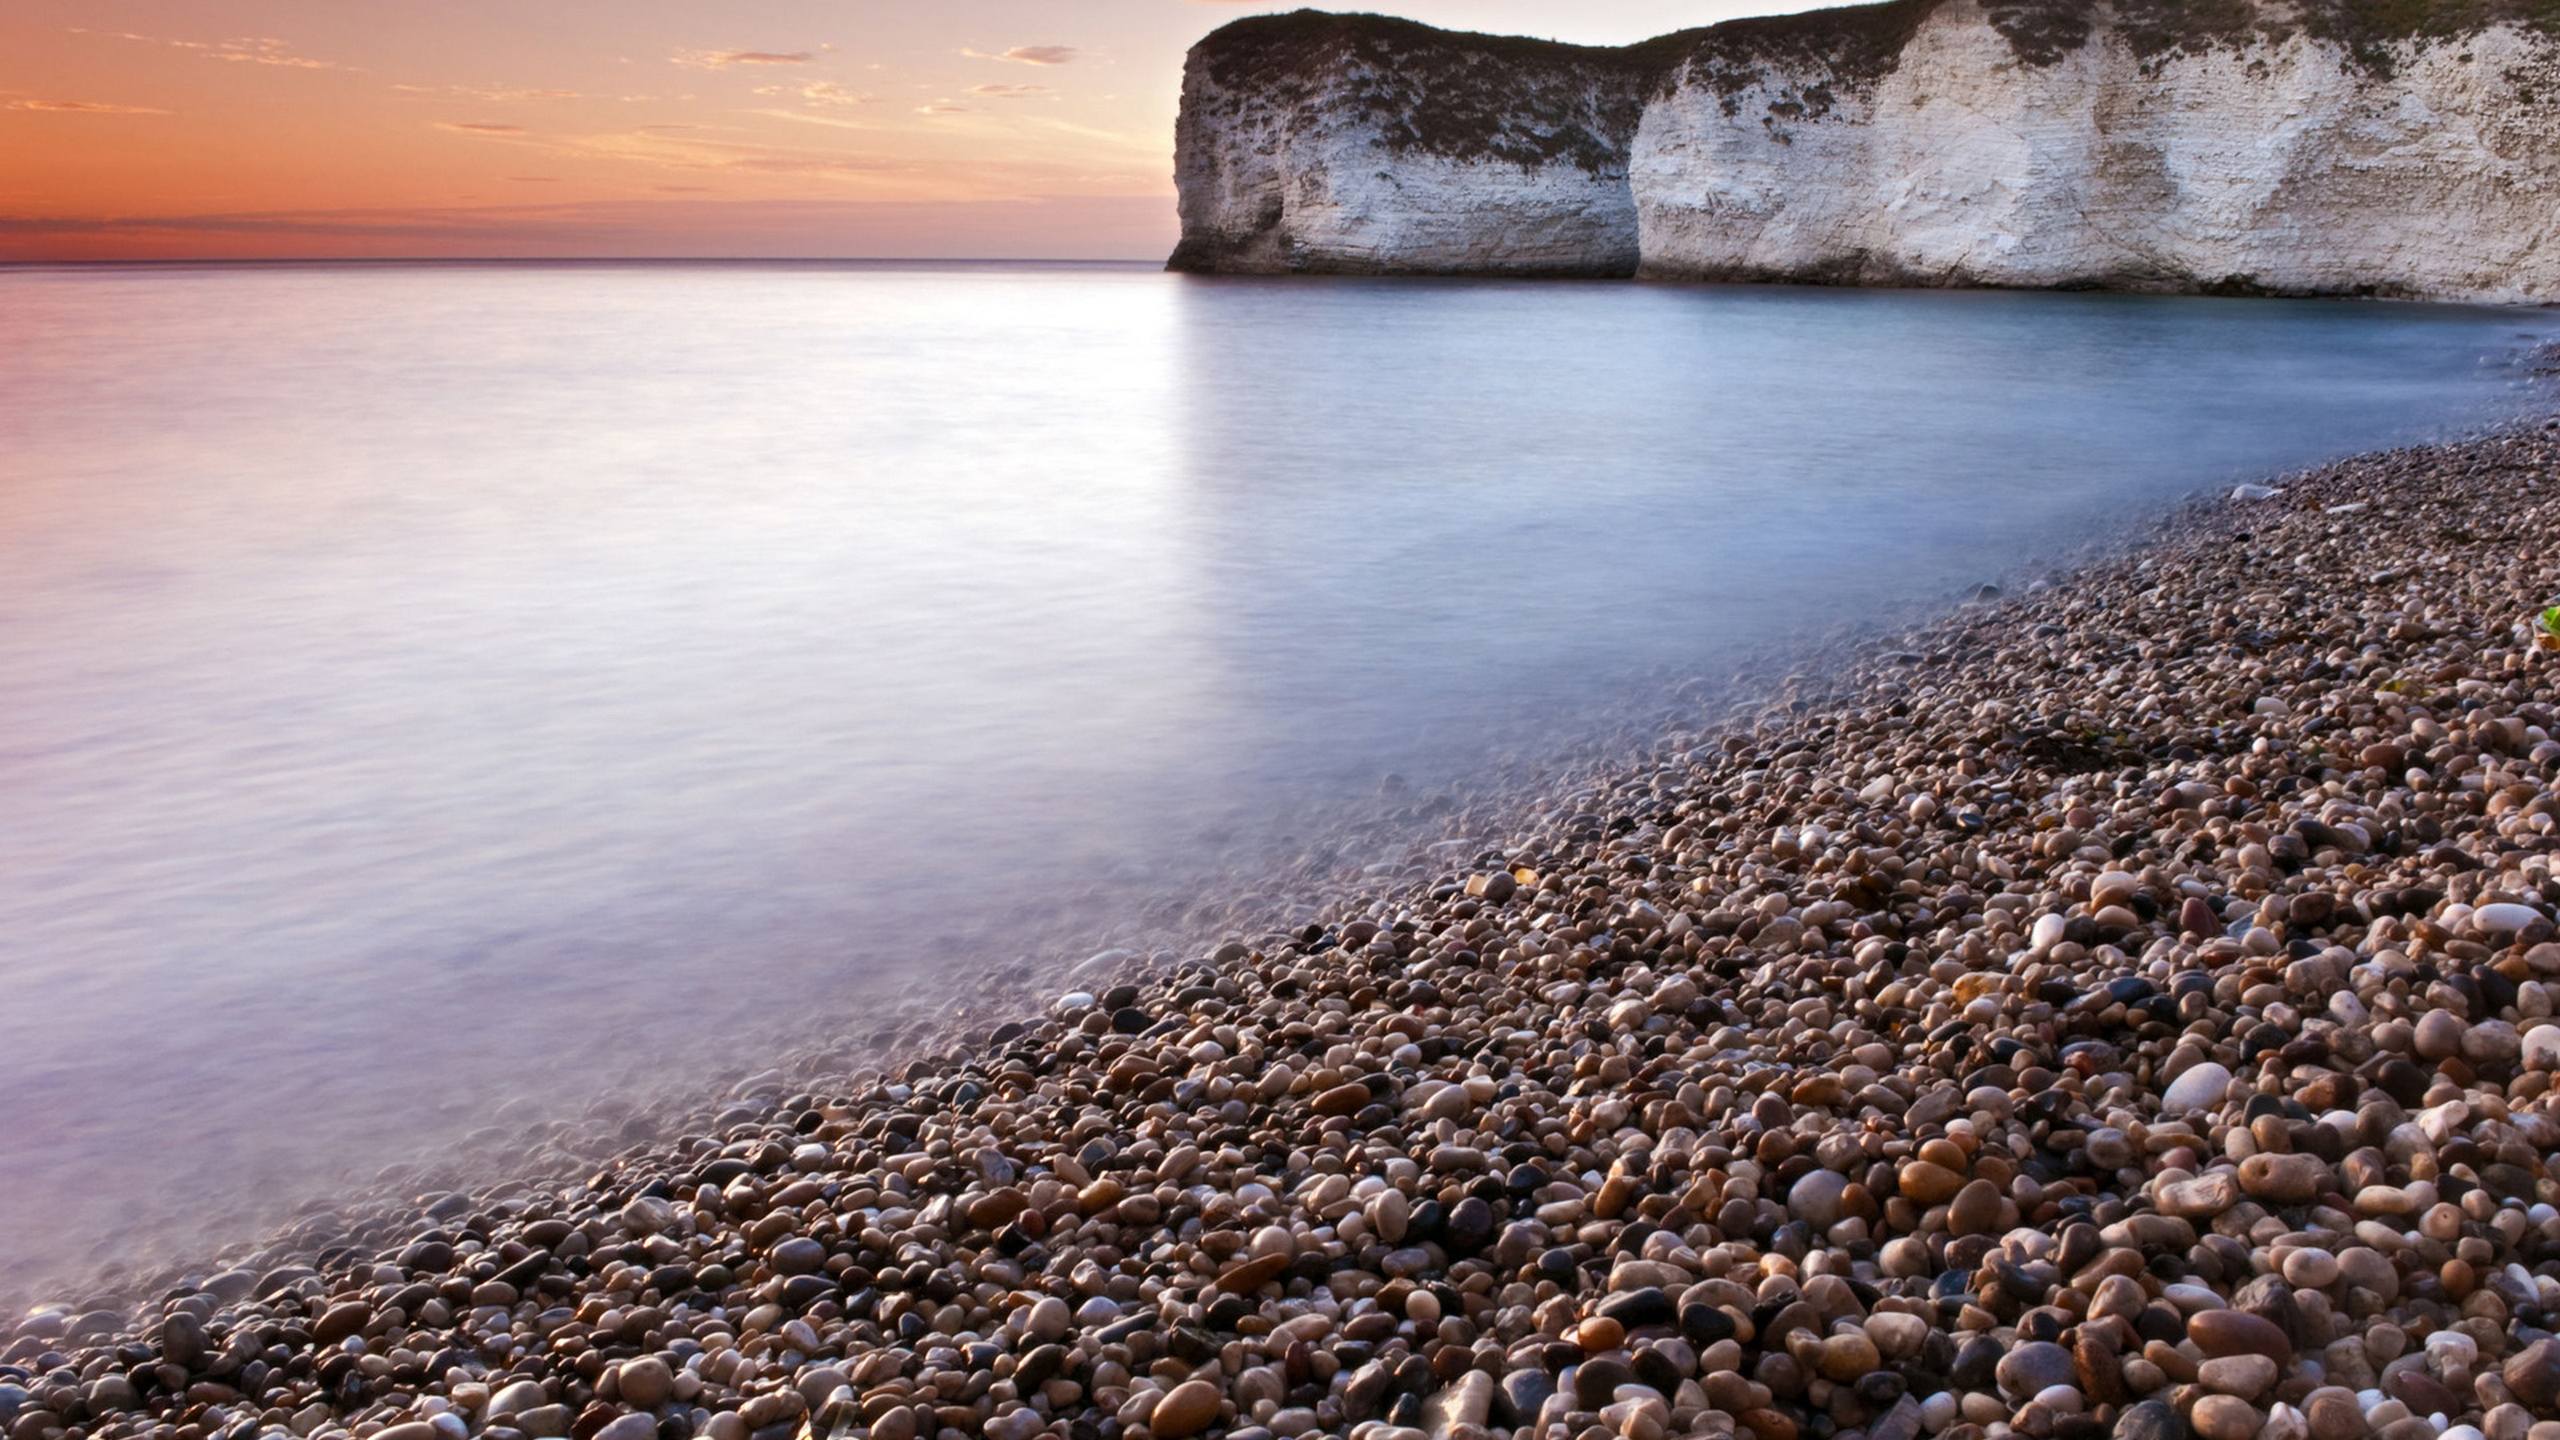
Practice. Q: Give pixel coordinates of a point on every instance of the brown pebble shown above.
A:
(1186, 1409)
(1599, 1333)
(2224, 1417)
(1975, 1210)
(2237, 1332)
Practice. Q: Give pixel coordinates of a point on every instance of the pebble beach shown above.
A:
(2125, 1007)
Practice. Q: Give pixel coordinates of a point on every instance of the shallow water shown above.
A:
(430, 685)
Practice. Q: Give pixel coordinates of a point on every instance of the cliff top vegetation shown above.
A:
(1535, 101)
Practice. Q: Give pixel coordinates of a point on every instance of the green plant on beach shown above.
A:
(2546, 629)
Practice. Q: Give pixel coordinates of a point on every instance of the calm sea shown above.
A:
(426, 688)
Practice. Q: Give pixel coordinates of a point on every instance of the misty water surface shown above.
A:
(428, 688)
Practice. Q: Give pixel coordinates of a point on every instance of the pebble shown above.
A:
(2125, 1007)
(2224, 1417)
(2195, 1088)
(2438, 1034)
(1975, 1210)
(1815, 1199)
(1186, 1409)
(2506, 919)
(2311, 1269)
(2541, 1048)
(2247, 1376)
(2237, 1332)
(2293, 1179)
(2148, 1420)
(2035, 1366)
(645, 1383)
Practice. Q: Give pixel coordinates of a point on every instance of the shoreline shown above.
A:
(1575, 1123)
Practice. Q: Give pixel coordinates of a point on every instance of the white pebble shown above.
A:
(2196, 1087)
(2504, 918)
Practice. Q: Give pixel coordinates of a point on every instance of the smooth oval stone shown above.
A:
(1929, 1184)
(2247, 1376)
(2035, 1366)
(1815, 1199)
(2541, 1048)
(799, 1255)
(645, 1382)
(2505, 919)
(2196, 1087)
(2224, 1417)
(1186, 1409)
(1975, 1210)
(2237, 1332)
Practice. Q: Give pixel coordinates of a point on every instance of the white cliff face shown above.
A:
(2284, 167)
(2285, 164)
(1307, 177)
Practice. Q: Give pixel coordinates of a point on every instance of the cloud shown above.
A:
(725, 59)
(813, 117)
(79, 107)
(669, 147)
(493, 95)
(535, 179)
(809, 165)
(479, 127)
(1029, 54)
(268, 52)
(245, 50)
(943, 107)
(821, 92)
(1009, 92)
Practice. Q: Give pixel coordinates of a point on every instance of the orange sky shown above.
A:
(162, 129)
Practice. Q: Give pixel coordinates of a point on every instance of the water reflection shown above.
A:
(430, 688)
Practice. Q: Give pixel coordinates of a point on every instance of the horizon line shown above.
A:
(168, 260)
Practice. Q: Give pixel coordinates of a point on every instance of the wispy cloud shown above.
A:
(479, 127)
(943, 107)
(244, 50)
(698, 148)
(1009, 92)
(268, 52)
(821, 92)
(495, 95)
(811, 165)
(818, 117)
(1029, 54)
(727, 59)
(78, 107)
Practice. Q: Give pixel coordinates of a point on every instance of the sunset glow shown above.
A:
(166, 129)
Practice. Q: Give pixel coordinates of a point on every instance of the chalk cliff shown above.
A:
(2384, 147)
